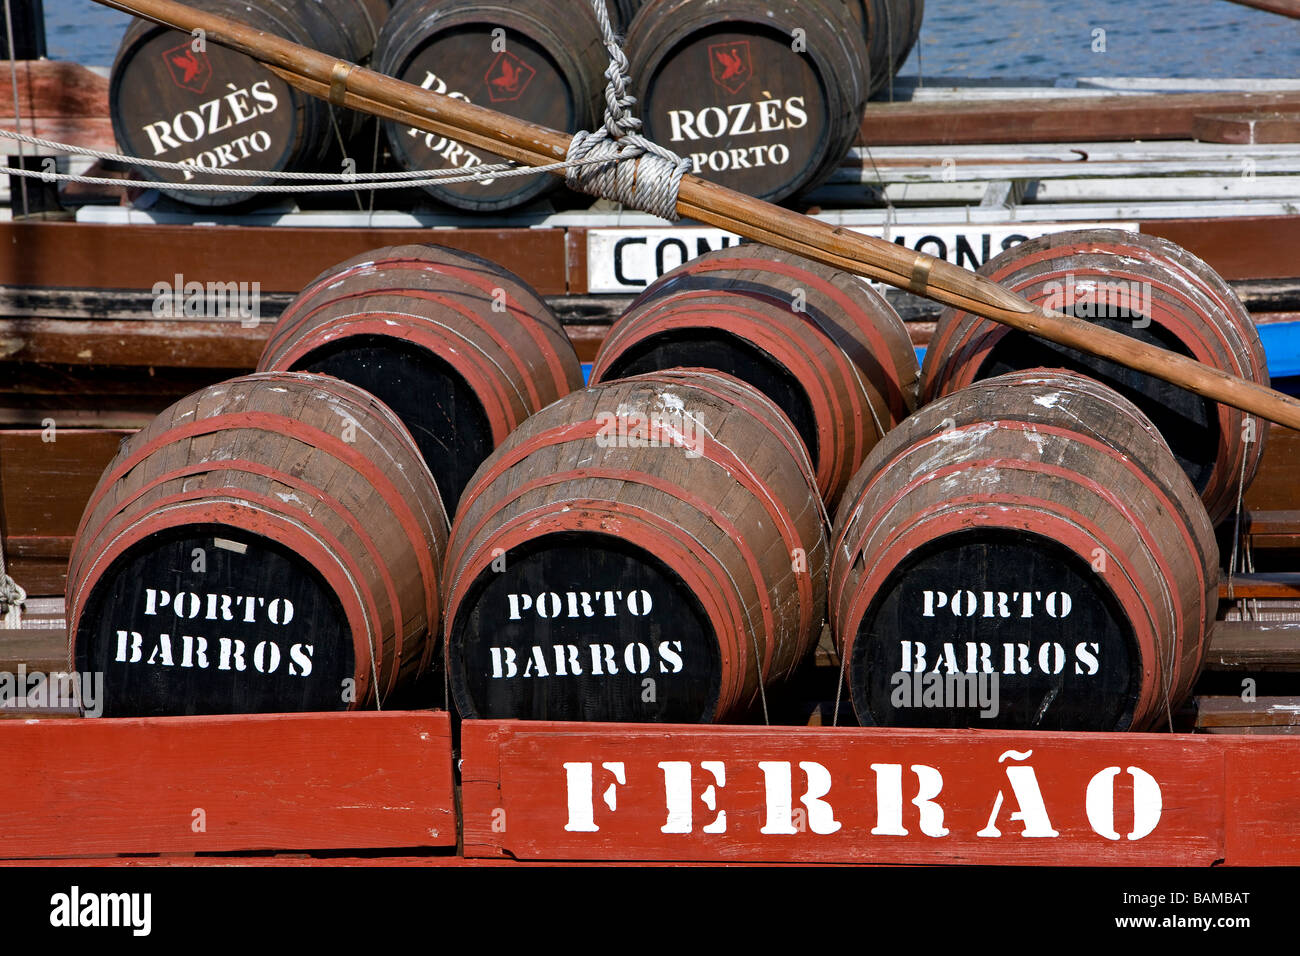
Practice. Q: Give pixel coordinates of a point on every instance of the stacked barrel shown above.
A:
(176, 98)
(763, 97)
(654, 547)
(541, 60)
(892, 28)
(1147, 288)
(649, 549)
(1033, 532)
(271, 543)
(276, 542)
(823, 345)
(460, 348)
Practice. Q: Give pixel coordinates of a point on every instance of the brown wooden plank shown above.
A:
(1254, 645)
(1255, 247)
(575, 250)
(37, 649)
(542, 790)
(1273, 584)
(1274, 487)
(277, 782)
(1069, 120)
(98, 342)
(1215, 711)
(53, 88)
(1287, 8)
(44, 486)
(1246, 128)
(281, 259)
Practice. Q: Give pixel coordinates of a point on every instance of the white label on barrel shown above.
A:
(172, 648)
(629, 259)
(692, 130)
(199, 126)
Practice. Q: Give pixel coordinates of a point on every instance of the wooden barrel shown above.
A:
(271, 543)
(1145, 287)
(1034, 530)
(892, 28)
(650, 549)
(540, 60)
(819, 342)
(460, 348)
(215, 108)
(763, 97)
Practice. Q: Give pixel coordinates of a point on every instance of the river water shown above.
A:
(1039, 39)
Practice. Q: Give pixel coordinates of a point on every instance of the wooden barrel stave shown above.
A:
(321, 489)
(171, 102)
(1098, 501)
(551, 50)
(843, 369)
(719, 528)
(460, 348)
(1192, 311)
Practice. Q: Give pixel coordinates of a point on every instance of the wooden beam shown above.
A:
(1254, 646)
(1287, 8)
(265, 782)
(1056, 120)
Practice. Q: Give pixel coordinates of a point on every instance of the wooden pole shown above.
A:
(1287, 8)
(346, 84)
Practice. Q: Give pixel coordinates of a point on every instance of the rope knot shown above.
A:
(616, 162)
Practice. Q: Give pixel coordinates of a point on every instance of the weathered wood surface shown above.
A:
(88, 256)
(295, 513)
(1248, 128)
(535, 790)
(1070, 119)
(1245, 646)
(200, 784)
(1047, 500)
(677, 513)
(541, 60)
(52, 88)
(44, 486)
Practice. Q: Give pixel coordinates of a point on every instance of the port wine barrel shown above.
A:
(763, 97)
(1145, 287)
(460, 348)
(540, 60)
(819, 342)
(650, 549)
(271, 543)
(892, 28)
(175, 98)
(1032, 530)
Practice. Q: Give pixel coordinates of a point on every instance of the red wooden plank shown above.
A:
(281, 259)
(1246, 247)
(520, 798)
(285, 781)
(1057, 120)
(1263, 801)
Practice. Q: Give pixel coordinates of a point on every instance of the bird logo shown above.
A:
(508, 77)
(730, 64)
(189, 68)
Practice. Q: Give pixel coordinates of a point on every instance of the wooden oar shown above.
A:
(346, 84)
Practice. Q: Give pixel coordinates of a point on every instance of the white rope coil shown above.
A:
(633, 170)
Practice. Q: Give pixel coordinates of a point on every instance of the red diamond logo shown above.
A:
(730, 65)
(190, 69)
(508, 77)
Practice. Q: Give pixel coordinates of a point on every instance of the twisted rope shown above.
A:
(632, 170)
